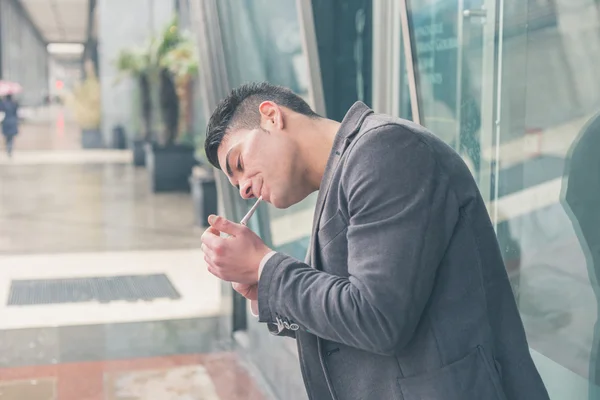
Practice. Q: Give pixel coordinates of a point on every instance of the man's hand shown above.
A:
(248, 291)
(235, 258)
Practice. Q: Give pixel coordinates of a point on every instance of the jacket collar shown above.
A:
(349, 127)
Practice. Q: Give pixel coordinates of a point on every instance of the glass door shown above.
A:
(453, 47)
(456, 48)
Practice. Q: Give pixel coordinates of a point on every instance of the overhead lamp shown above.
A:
(65, 48)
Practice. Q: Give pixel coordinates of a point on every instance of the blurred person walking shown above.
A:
(10, 123)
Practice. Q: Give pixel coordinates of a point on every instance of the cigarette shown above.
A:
(251, 212)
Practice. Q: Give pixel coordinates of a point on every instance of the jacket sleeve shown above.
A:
(402, 212)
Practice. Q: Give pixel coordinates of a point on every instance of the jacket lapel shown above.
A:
(350, 126)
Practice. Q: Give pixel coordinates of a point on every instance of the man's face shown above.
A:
(263, 163)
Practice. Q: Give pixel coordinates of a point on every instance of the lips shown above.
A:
(263, 193)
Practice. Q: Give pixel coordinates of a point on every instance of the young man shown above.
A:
(404, 294)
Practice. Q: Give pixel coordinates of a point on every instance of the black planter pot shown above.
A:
(169, 167)
(139, 153)
(91, 139)
(204, 194)
(119, 140)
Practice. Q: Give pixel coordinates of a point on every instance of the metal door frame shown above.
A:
(386, 81)
(408, 38)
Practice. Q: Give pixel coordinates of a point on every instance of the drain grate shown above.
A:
(101, 289)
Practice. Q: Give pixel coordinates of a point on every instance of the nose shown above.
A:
(246, 190)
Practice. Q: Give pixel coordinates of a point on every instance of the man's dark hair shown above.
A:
(239, 110)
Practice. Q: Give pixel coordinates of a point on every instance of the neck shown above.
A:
(316, 148)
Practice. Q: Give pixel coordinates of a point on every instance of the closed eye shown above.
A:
(239, 164)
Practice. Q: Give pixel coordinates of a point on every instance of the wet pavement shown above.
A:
(89, 207)
(218, 376)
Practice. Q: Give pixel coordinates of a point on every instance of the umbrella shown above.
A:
(7, 87)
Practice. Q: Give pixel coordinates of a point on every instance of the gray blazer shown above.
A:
(405, 294)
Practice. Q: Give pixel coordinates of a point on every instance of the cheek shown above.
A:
(271, 161)
(281, 168)
(272, 158)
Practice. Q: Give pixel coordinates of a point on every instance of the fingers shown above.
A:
(207, 252)
(214, 248)
(211, 242)
(241, 288)
(214, 231)
(224, 225)
(211, 267)
(218, 271)
(245, 290)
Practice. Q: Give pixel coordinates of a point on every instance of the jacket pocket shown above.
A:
(333, 227)
(469, 378)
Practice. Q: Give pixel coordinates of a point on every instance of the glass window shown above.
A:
(270, 49)
(513, 86)
(448, 55)
(556, 153)
(344, 31)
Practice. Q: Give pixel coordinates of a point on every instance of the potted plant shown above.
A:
(204, 194)
(84, 103)
(182, 64)
(140, 64)
(171, 158)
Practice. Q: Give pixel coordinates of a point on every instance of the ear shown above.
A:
(271, 116)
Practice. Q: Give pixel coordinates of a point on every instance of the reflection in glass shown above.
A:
(344, 32)
(557, 278)
(448, 56)
(259, 48)
(538, 128)
(581, 200)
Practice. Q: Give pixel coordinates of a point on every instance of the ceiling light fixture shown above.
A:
(65, 48)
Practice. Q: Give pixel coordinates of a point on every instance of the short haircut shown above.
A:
(239, 110)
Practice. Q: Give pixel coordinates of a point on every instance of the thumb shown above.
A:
(224, 225)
